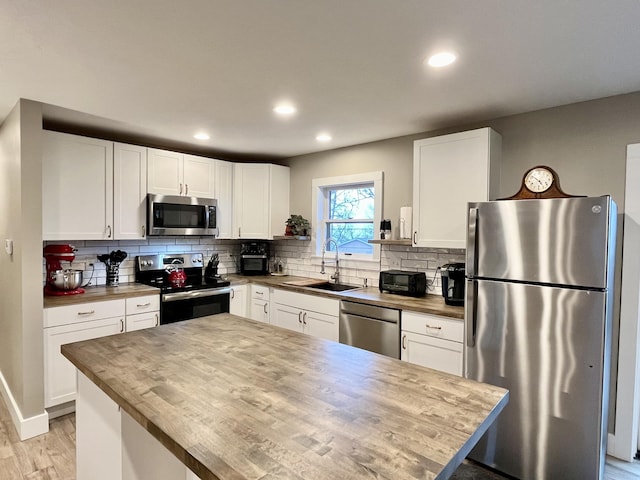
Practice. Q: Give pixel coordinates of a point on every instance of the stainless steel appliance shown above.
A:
(372, 328)
(176, 215)
(413, 284)
(183, 300)
(453, 280)
(538, 322)
(254, 258)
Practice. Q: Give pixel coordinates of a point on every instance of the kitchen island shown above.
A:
(234, 398)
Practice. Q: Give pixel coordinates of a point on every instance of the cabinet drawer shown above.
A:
(313, 303)
(434, 326)
(443, 355)
(140, 321)
(260, 292)
(147, 303)
(82, 312)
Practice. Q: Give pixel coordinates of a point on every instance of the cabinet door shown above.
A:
(443, 355)
(287, 317)
(141, 321)
(320, 325)
(77, 188)
(251, 200)
(129, 191)
(448, 172)
(223, 192)
(165, 172)
(238, 301)
(198, 176)
(60, 374)
(259, 310)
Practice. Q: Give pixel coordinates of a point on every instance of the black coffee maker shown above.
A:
(453, 283)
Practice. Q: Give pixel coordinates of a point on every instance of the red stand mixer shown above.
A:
(61, 281)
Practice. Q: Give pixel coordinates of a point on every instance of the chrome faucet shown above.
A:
(336, 276)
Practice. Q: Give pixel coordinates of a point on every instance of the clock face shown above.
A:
(539, 180)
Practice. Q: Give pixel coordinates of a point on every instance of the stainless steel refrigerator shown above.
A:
(538, 322)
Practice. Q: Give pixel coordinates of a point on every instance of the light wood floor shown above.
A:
(52, 456)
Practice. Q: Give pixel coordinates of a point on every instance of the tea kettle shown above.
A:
(177, 277)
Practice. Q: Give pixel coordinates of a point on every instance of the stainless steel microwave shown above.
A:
(176, 215)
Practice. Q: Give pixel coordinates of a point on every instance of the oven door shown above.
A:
(193, 304)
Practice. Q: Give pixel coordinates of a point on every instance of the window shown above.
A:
(347, 209)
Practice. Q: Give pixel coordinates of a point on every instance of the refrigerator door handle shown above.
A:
(470, 312)
(472, 240)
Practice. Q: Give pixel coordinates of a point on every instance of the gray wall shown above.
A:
(21, 353)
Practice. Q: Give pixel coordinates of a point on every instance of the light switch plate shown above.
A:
(8, 246)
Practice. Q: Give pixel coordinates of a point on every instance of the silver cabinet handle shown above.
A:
(143, 305)
(239, 234)
(265, 308)
(304, 318)
(300, 318)
(109, 230)
(143, 231)
(433, 327)
(404, 337)
(233, 294)
(90, 312)
(180, 189)
(415, 238)
(157, 320)
(121, 325)
(186, 189)
(259, 293)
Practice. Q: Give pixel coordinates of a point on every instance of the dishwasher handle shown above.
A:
(348, 316)
(390, 315)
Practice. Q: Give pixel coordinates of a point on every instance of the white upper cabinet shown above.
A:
(260, 200)
(129, 191)
(223, 192)
(77, 188)
(448, 172)
(172, 173)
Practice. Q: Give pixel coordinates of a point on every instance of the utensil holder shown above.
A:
(113, 275)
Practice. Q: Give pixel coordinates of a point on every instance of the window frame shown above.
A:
(320, 204)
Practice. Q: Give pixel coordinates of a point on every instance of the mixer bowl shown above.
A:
(66, 279)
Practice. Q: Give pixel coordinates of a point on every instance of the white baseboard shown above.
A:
(26, 427)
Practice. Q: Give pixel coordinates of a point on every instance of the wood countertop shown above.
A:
(236, 399)
(100, 294)
(433, 304)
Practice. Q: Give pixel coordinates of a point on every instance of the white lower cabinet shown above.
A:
(310, 314)
(260, 304)
(85, 321)
(142, 312)
(238, 301)
(432, 341)
(60, 374)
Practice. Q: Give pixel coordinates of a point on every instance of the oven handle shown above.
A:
(174, 297)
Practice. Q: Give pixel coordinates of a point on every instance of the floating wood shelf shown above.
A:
(292, 237)
(404, 241)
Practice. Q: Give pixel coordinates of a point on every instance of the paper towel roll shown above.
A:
(405, 222)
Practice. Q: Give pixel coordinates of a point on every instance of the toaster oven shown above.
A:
(413, 284)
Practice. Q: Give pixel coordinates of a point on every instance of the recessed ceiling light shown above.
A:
(285, 109)
(201, 136)
(323, 137)
(441, 59)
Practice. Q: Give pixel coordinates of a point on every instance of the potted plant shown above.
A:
(297, 225)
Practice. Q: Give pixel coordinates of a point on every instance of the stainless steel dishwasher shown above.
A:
(376, 329)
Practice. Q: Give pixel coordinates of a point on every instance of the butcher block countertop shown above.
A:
(246, 400)
(100, 294)
(433, 304)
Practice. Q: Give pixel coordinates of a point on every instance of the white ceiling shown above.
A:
(167, 68)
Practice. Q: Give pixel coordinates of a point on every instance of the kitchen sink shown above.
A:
(333, 287)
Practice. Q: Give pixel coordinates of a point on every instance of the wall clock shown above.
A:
(540, 182)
